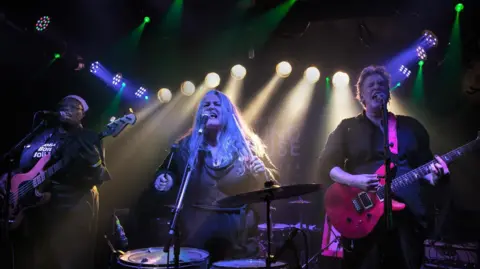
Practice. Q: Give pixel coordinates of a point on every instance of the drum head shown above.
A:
(153, 257)
(275, 227)
(247, 263)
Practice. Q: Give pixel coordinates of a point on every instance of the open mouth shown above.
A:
(213, 115)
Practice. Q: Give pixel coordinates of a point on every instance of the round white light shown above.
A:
(212, 80)
(238, 72)
(164, 95)
(188, 88)
(312, 74)
(340, 80)
(283, 69)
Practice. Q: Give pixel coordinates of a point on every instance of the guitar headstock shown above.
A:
(115, 127)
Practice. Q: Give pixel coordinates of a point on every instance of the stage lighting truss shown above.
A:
(116, 79)
(42, 23)
(94, 67)
(140, 92)
(405, 71)
(422, 55)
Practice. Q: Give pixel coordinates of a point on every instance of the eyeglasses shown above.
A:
(70, 107)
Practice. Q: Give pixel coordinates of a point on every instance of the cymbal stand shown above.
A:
(269, 257)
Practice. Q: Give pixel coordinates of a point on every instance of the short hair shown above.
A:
(368, 71)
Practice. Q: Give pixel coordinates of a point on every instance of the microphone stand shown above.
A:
(288, 244)
(387, 200)
(174, 233)
(9, 159)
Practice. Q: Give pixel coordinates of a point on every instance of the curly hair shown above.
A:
(231, 141)
(369, 71)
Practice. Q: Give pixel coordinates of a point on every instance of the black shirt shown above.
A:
(356, 146)
(77, 178)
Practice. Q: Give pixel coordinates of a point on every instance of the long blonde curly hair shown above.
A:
(230, 138)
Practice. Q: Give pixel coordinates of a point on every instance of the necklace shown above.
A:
(216, 162)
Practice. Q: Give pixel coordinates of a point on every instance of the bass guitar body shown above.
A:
(354, 212)
(24, 193)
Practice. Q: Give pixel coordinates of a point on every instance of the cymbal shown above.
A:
(272, 193)
(300, 202)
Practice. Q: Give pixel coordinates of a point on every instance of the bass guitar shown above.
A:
(25, 190)
(355, 213)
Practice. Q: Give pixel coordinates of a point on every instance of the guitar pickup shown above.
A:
(357, 205)
(365, 200)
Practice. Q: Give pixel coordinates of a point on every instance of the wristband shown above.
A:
(98, 163)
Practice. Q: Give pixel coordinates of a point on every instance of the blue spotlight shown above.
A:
(429, 39)
(405, 71)
(116, 79)
(140, 92)
(422, 55)
(94, 67)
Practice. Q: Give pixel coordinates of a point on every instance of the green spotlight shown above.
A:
(146, 19)
(56, 55)
(420, 63)
(459, 7)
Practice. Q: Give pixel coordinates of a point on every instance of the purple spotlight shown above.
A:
(94, 67)
(405, 71)
(116, 79)
(422, 55)
(429, 39)
(140, 92)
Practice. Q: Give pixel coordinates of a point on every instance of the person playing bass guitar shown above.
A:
(352, 154)
(61, 233)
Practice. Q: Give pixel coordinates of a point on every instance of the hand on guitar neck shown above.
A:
(438, 169)
(370, 182)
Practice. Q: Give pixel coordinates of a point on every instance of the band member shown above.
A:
(61, 233)
(352, 154)
(224, 168)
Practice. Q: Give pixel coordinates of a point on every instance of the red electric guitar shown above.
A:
(355, 213)
(25, 190)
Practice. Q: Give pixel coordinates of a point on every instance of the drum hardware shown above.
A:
(267, 195)
(114, 252)
(315, 257)
(279, 232)
(156, 258)
(247, 264)
(300, 201)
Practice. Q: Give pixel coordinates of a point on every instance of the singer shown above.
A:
(225, 167)
(352, 154)
(61, 234)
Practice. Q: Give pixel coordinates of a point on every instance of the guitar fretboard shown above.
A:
(405, 180)
(48, 173)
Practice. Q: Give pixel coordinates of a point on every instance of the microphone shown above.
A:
(53, 114)
(379, 97)
(203, 122)
(285, 245)
(121, 238)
